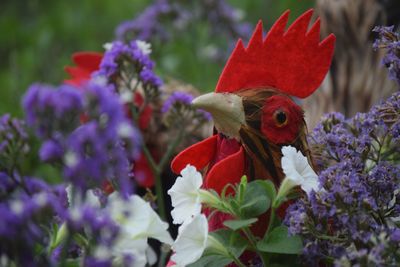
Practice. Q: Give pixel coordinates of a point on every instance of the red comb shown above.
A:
(294, 61)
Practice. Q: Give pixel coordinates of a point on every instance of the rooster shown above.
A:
(252, 106)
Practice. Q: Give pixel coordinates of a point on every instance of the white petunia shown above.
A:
(137, 218)
(136, 248)
(191, 241)
(138, 222)
(297, 171)
(185, 195)
(144, 47)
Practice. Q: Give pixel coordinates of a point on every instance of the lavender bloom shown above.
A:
(353, 219)
(13, 139)
(99, 229)
(148, 77)
(102, 148)
(94, 152)
(390, 41)
(51, 151)
(178, 109)
(159, 20)
(113, 60)
(23, 218)
(147, 24)
(177, 98)
(52, 112)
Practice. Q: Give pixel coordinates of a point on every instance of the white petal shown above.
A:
(185, 196)
(151, 256)
(126, 246)
(137, 218)
(296, 168)
(191, 241)
(144, 47)
(309, 184)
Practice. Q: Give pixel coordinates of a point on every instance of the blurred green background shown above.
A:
(38, 37)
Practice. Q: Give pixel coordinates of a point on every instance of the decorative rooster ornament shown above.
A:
(252, 108)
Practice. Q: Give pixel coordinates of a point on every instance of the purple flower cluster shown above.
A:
(354, 218)
(159, 20)
(129, 58)
(147, 25)
(179, 105)
(27, 213)
(52, 111)
(98, 150)
(13, 141)
(177, 98)
(390, 41)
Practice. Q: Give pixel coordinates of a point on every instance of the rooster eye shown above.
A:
(280, 118)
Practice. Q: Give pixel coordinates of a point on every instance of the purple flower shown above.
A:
(99, 150)
(102, 148)
(353, 218)
(158, 21)
(149, 78)
(50, 151)
(390, 41)
(177, 98)
(113, 59)
(13, 137)
(147, 24)
(24, 218)
(52, 111)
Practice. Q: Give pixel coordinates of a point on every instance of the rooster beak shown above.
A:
(226, 110)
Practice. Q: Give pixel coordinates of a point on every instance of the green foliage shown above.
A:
(233, 245)
(238, 224)
(278, 241)
(251, 199)
(255, 201)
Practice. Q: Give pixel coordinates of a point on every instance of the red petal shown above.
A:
(198, 155)
(144, 117)
(88, 60)
(107, 188)
(227, 171)
(142, 171)
(78, 75)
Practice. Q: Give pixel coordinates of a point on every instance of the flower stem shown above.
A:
(271, 221)
(253, 242)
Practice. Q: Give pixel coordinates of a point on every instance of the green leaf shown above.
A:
(269, 188)
(211, 259)
(237, 224)
(255, 201)
(278, 241)
(232, 241)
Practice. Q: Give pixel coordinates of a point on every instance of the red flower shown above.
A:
(86, 64)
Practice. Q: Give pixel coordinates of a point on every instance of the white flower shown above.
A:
(297, 171)
(133, 247)
(191, 241)
(137, 218)
(144, 47)
(107, 46)
(138, 222)
(185, 195)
